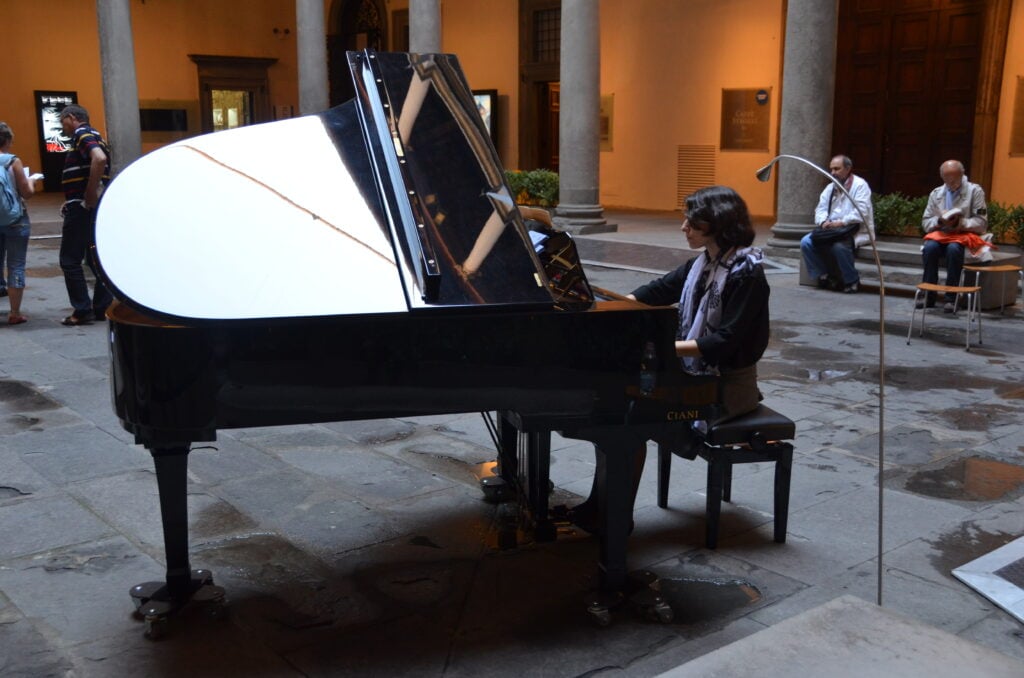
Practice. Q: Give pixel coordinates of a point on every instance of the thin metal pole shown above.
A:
(764, 174)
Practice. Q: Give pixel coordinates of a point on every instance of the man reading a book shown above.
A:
(954, 221)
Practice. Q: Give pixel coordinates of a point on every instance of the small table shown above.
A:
(1000, 268)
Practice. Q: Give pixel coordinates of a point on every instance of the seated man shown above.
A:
(836, 213)
(954, 220)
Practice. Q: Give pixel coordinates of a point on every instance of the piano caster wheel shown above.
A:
(156, 627)
(655, 609)
(646, 599)
(213, 600)
(662, 613)
(154, 605)
(601, 616)
(496, 490)
(600, 606)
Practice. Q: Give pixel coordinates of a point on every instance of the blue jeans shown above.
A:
(930, 255)
(78, 242)
(13, 250)
(816, 259)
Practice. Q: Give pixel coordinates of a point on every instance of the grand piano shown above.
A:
(363, 263)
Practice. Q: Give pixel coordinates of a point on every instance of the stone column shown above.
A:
(579, 151)
(120, 88)
(808, 89)
(425, 26)
(312, 55)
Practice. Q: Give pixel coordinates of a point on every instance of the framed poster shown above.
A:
(53, 143)
(745, 118)
(487, 104)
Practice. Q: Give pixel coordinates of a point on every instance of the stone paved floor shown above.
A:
(364, 548)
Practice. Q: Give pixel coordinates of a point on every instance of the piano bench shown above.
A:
(757, 436)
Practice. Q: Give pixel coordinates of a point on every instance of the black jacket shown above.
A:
(743, 335)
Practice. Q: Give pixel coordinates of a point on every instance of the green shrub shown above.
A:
(533, 187)
(896, 214)
(1006, 222)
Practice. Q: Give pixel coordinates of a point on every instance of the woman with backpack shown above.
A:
(15, 188)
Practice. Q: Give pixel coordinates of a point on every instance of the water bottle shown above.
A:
(648, 369)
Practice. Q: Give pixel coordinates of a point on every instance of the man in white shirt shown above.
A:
(954, 221)
(836, 211)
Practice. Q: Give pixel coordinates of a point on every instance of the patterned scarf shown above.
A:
(701, 316)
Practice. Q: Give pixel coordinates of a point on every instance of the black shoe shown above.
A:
(852, 288)
(924, 303)
(947, 307)
(823, 282)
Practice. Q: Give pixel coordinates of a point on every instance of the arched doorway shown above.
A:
(353, 25)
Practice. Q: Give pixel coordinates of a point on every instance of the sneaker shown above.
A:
(947, 307)
(924, 303)
(823, 282)
(852, 288)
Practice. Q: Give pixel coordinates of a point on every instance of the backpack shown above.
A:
(11, 207)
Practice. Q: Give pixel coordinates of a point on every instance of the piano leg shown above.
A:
(619, 451)
(539, 484)
(156, 601)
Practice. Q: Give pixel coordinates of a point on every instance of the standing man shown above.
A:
(839, 228)
(954, 220)
(86, 173)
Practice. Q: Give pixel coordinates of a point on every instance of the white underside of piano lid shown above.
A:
(256, 222)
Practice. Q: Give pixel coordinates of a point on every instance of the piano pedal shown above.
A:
(496, 490)
(155, 606)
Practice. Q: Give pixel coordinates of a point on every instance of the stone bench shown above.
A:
(999, 289)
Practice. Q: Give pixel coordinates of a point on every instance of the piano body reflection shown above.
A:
(366, 262)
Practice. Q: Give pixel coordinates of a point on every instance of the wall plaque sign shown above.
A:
(745, 118)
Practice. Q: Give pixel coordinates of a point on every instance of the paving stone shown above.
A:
(941, 606)
(999, 631)
(25, 652)
(18, 481)
(227, 459)
(366, 475)
(840, 533)
(313, 514)
(131, 503)
(45, 523)
(65, 455)
(80, 591)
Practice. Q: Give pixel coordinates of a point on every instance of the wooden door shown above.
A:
(547, 128)
(906, 85)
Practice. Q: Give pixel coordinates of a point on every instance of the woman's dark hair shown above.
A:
(725, 214)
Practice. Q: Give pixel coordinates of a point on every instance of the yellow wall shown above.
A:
(666, 62)
(165, 32)
(485, 36)
(1008, 172)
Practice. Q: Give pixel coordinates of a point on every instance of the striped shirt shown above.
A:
(75, 177)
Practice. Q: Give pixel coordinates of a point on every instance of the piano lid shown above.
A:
(393, 202)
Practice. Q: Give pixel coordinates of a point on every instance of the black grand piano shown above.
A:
(363, 263)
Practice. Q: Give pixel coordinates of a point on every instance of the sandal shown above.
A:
(74, 321)
(16, 319)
